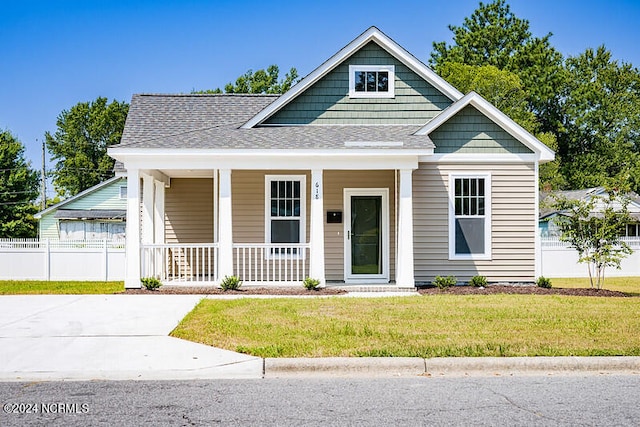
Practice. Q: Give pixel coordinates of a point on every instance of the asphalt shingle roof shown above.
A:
(213, 122)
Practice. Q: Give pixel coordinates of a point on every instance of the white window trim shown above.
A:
(123, 192)
(352, 81)
(303, 208)
(487, 216)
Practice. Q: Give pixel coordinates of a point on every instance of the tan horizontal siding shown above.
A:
(189, 210)
(513, 227)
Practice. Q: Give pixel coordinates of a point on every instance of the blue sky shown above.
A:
(55, 54)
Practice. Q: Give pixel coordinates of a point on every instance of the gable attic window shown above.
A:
(371, 81)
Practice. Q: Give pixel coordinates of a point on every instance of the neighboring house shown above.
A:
(547, 214)
(98, 212)
(370, 170)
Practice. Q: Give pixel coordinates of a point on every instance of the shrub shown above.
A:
(230, 283)
(151, 283)
(478, 281)
(445, 282)
(311, 284)
(543, 282)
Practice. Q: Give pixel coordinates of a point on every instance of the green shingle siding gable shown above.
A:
(470, 131)
(327, 101)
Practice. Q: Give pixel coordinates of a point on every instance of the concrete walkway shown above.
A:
(116, 337)
(125, 337)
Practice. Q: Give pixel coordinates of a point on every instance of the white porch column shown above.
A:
(316, 238)
(225, 234)
(404, 267)
(158, 213)
(158, 229)
(132, 239)
(148, 194)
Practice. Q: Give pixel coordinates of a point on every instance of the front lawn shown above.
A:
(424, 326)
(30, 287)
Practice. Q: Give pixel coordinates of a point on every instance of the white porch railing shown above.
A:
(180, 262)
(265, 264)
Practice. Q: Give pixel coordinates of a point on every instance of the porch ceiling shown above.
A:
(188, 173)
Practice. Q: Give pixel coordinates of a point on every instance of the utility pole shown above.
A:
(43, 178)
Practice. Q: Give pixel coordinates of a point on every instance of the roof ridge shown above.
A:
(204, 95)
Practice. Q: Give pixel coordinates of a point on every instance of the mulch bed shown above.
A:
(521, 290)
(427, 290)
(184, 290)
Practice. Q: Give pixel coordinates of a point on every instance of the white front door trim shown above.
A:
(349, 277)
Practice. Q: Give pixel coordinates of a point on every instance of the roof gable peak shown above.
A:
(495, 115)
(371, 34)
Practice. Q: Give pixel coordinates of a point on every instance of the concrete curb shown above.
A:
(447, 367)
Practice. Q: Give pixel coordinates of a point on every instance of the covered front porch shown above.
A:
(273, 226)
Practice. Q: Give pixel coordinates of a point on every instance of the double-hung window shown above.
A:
(285, 211)
(470, 216)
(371, 81)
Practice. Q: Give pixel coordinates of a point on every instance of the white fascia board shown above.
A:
(545, 154)
(479, 158)
(79, 195)
(372, 34)
(272, 159)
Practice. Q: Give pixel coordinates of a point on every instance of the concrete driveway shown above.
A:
(115, 337)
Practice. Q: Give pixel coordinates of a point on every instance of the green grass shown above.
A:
(630, 285)
(30, 287)
(426, 326)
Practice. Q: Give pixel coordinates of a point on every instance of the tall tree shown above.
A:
(493, 35)
(601, 136)
(18, 190)
(260, 81)
(79, 145)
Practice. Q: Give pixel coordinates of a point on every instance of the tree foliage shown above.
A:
(584, 107)
(79, 145)
(260, 81)
(594, 228)
(18, 190)
(601, 123)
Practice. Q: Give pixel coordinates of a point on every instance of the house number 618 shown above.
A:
(316, 191)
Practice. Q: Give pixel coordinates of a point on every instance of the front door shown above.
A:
(366, 235)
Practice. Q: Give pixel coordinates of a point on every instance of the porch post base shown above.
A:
(132, 283)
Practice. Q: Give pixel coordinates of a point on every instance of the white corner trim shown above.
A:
(507, 124)
(372, 34)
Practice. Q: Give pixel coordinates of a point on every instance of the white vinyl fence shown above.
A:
(559, 260)
(33, 259)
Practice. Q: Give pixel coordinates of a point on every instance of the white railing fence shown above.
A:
(176, 262)
(258, 264)
(271, 263)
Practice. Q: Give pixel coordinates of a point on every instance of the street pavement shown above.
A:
(126, 337)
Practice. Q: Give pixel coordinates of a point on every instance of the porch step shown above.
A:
(370, 288)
